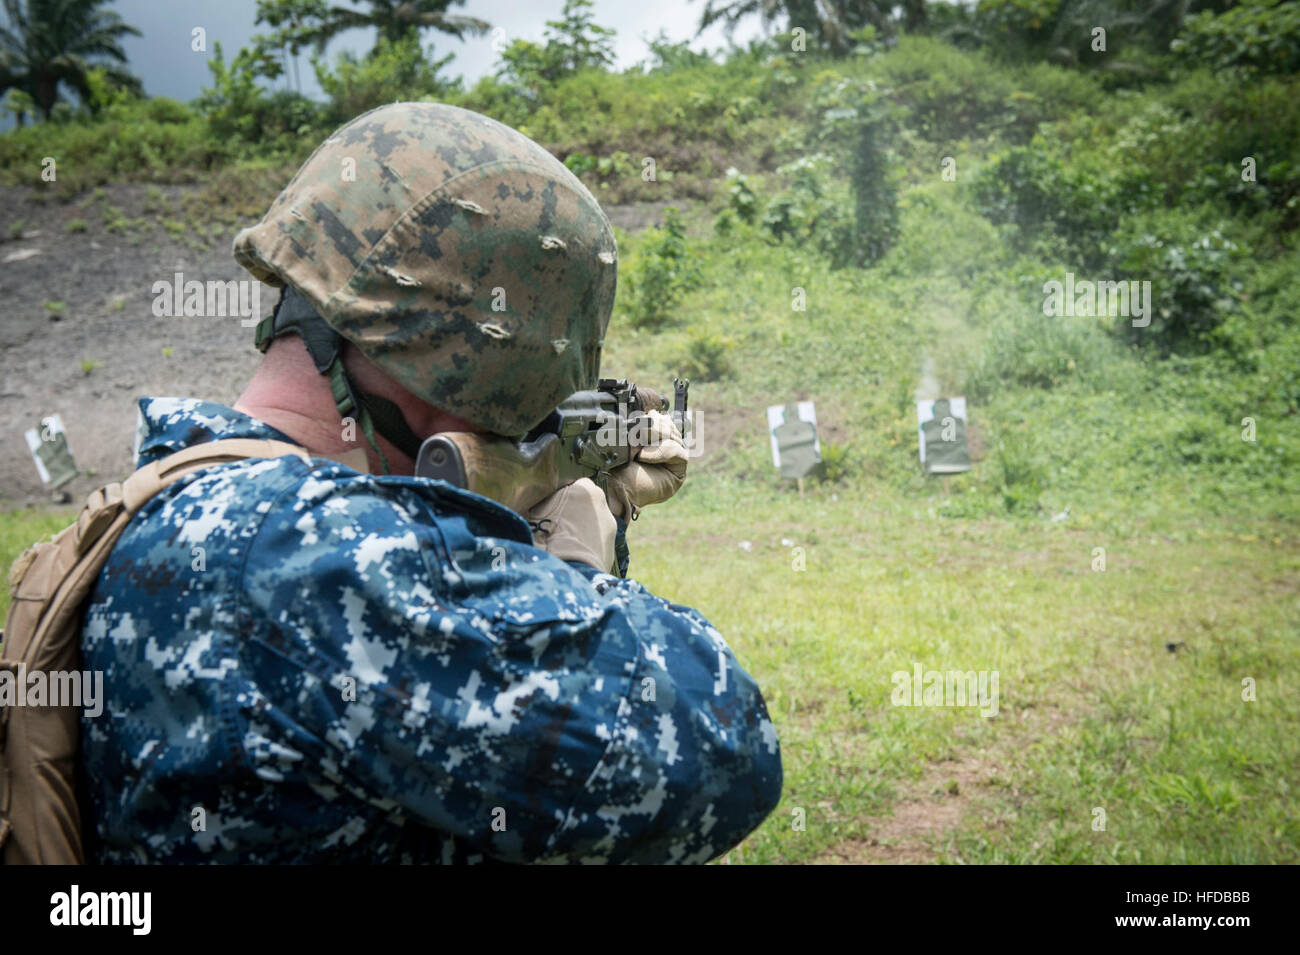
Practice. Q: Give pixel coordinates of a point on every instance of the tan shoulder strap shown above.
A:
(152, 478)
(50, 582)
(106, 504)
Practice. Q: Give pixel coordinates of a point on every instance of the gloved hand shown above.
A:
(654, 474)
(575, 523)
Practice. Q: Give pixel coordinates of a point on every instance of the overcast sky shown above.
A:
(162, 57)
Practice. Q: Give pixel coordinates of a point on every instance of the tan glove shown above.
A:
(574, 523)
(656, 471)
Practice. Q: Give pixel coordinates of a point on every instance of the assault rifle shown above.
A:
(590, 434)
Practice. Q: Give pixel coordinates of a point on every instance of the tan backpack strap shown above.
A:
(152, 478)
(51, 581)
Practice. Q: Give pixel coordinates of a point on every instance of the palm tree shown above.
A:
(1064, 34)
(832, 20)
(48, 43)
(302, 23)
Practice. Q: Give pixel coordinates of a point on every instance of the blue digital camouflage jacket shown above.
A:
(307, 664)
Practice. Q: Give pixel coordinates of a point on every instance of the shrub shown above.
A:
(1255, 36)
(838, 462)
(122, 143)
(235, 101)
(857, 123)
(1018, 471)
(664, 270)
(1193, 275)
(949, 94)
(667, 56)
(1043, 200)
(808, 215)
(707, 357)
(161, 109)
(741, 198)
(573, 44)
(1229, 121)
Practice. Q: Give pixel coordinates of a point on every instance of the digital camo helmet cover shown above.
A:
(458, 255)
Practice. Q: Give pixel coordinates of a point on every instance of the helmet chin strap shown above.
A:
(293, 313)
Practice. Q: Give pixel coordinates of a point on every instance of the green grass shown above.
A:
(19, 530)
(1094, 711)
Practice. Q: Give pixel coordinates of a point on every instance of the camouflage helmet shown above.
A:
(458, 255)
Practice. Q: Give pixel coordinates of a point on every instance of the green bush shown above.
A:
(665, 268)
(1060, 32)
(666, 56)
(953, 95)
(707, 357)
(160, 109)
(122, 145)
(1203, 139)
(1019, 472)
(838, 462)
(1254, 36)
(1229, 120)
(693, 120)
(1053, 209)
(741, 199)
(856, 122)
(1193, 273)
(572, 44)
(809, 215)
(1039, 351)
(241, 114)
(235, 100)
(949, 95)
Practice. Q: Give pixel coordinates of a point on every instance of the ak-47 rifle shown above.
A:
(590, 434)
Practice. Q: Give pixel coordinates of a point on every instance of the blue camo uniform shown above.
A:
(307, 664)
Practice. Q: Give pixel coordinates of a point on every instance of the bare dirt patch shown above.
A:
(945, 798)
(926, 811)
(79, 335)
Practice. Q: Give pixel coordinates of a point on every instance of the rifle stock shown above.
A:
(516, 475)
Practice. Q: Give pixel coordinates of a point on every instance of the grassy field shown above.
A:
(1094, 713)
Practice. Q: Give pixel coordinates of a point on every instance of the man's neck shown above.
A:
(325, 442)
(312, 433)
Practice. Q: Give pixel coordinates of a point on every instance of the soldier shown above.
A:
(328, 659)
